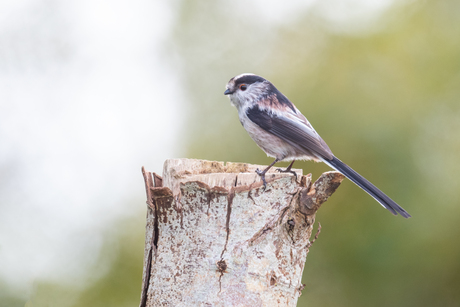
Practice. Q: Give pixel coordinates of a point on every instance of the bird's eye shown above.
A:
(243, 87)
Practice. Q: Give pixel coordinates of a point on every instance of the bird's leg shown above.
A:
(262, 173)
(288, 170)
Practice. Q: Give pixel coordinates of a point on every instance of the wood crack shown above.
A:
(220, 263)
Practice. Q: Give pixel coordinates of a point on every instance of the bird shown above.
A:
(282, 132)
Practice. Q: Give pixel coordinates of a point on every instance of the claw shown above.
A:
(288, 170)
(262, 173)
(265, 182)
(262, 176)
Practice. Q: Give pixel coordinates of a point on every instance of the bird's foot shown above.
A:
(262, 176)
(287, 170)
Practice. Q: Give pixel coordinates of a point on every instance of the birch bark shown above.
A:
(215, 237)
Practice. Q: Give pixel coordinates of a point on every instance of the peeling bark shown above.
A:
(215, 237)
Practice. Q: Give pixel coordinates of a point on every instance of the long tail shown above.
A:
(364, 184)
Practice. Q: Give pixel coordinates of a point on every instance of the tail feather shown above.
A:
(364, 184)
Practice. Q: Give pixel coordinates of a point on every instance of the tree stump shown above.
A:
(215, 237)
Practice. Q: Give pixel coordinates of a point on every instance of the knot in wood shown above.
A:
(308, 203)
(221, 266)
(291, 224)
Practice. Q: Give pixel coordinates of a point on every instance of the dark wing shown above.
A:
(291, 130)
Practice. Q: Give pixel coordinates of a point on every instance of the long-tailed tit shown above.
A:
(279, 128)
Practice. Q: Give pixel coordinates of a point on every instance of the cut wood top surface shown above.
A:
(215, 173)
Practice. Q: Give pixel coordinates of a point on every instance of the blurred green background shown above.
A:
(383, 93)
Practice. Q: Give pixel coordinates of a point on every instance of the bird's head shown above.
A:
(246, 89)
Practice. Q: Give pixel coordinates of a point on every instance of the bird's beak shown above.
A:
(227, 92)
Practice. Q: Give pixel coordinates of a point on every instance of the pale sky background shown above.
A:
(86, 99)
